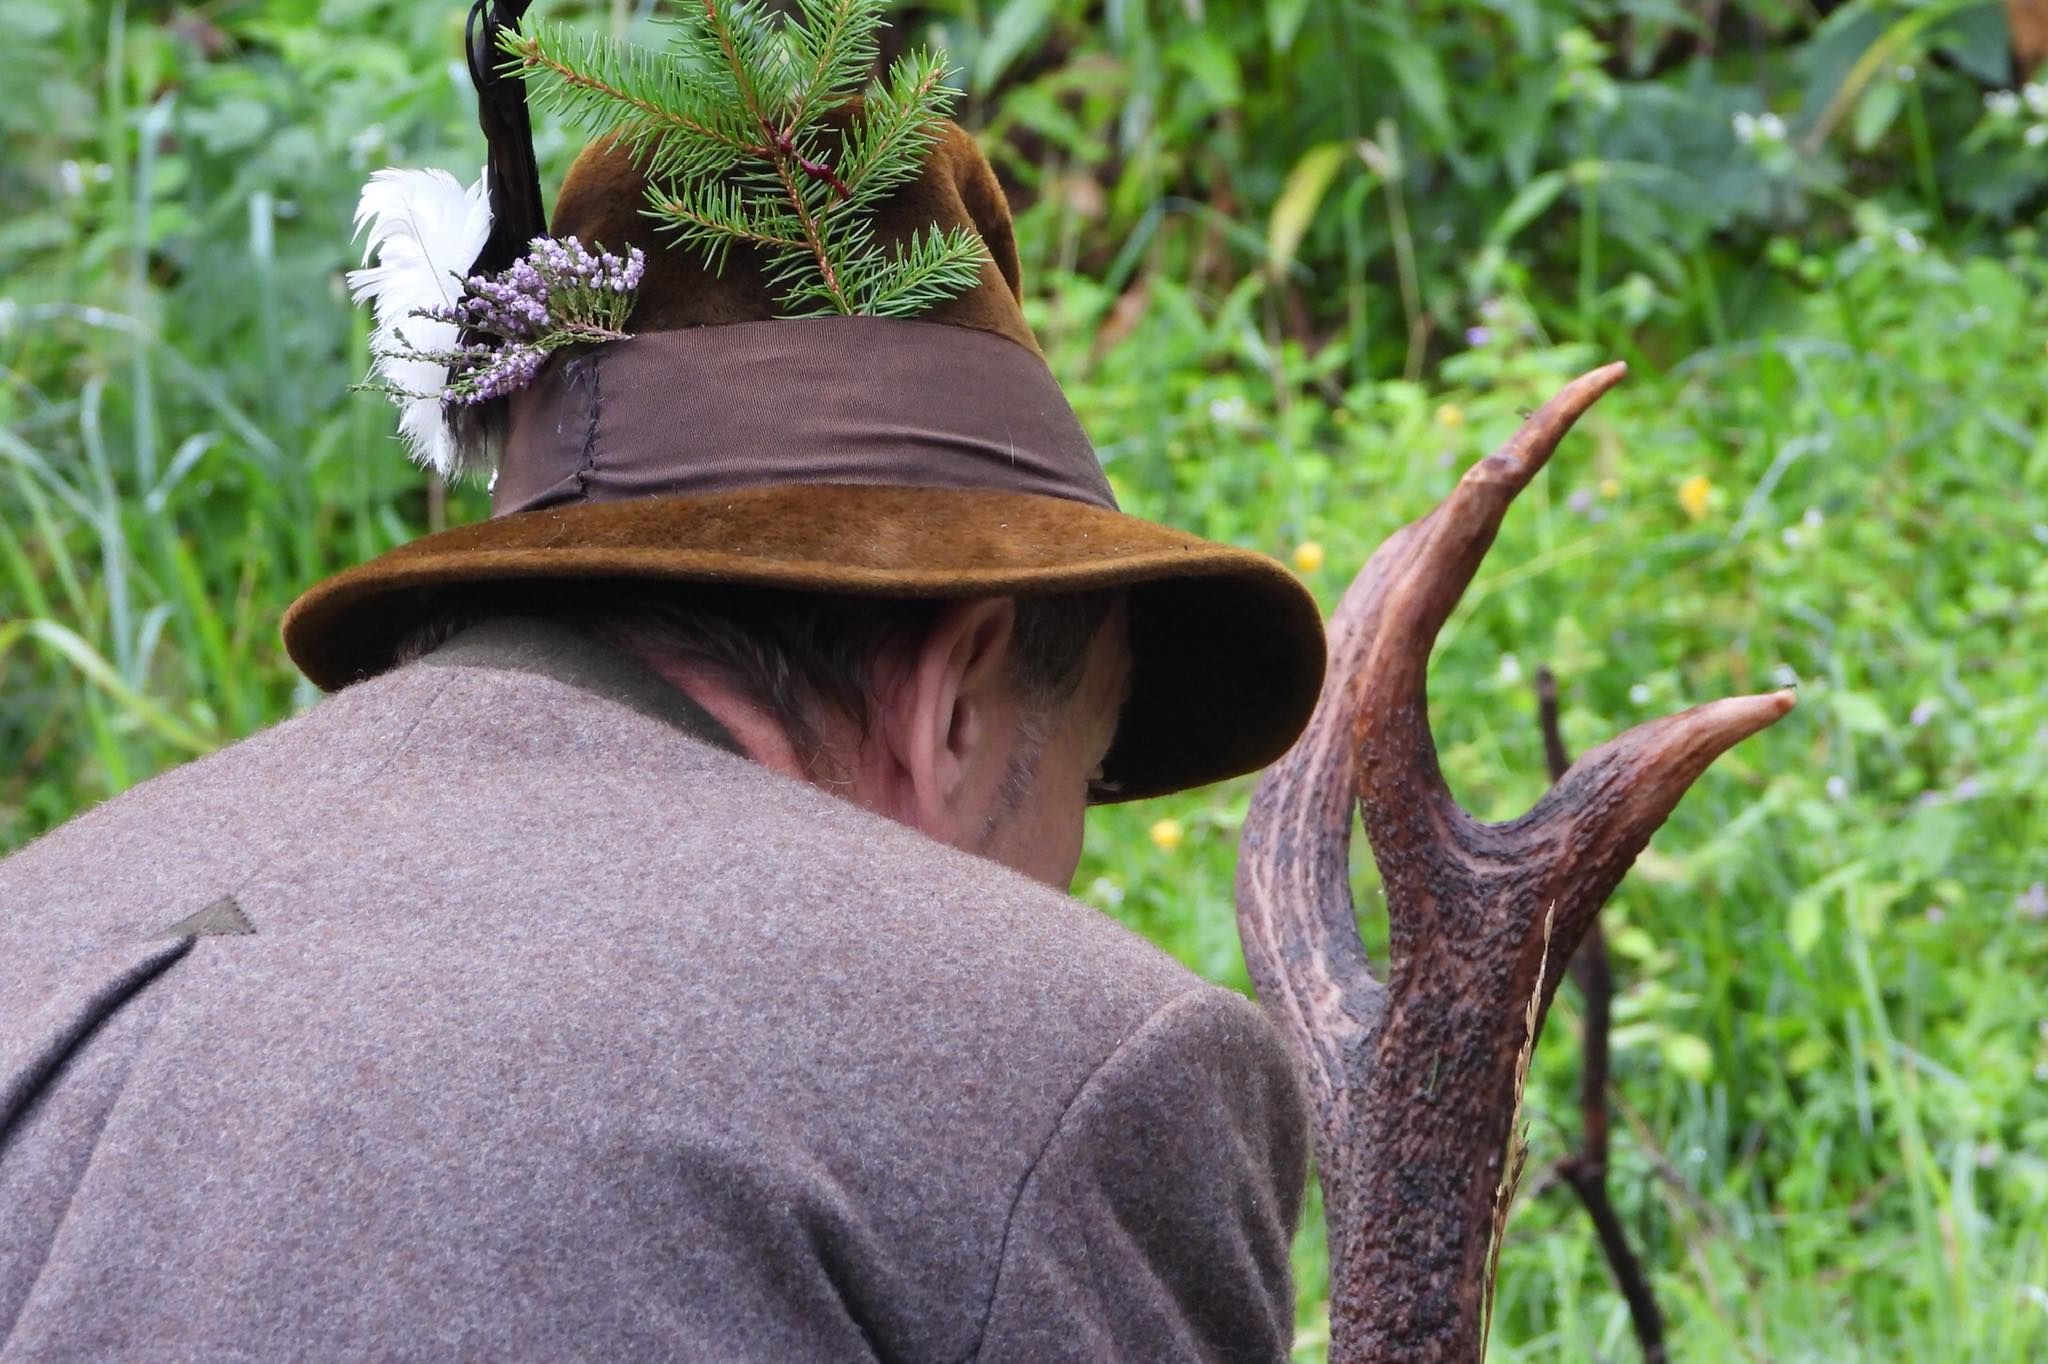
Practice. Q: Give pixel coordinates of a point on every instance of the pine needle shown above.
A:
(731, 121)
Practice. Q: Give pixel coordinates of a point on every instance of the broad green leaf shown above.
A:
(1875, 113)
(1212, 67)
(1299, 198)
(1016, 25)
(1979, 40)
(1421, 79)
(1283, 21)
(1861, 714)
(1807, 1055)
(1803, 923)
(1690, 1056)
(1531, 201)
(25, 21)
(1631, 942)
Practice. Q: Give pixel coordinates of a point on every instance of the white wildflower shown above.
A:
(1228, 411)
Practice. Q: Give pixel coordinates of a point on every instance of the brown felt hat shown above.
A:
(928, 458)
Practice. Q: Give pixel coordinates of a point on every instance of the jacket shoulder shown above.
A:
(140, 860)
(1175, 1247)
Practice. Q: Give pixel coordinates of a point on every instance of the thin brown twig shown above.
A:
(812, 234)
(1586, 1170)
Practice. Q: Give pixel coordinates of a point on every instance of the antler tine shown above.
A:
(1393, 726)
(1608, 804)
(1633, 782)
(1531, 447)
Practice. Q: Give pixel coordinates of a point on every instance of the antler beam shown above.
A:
(1414, 1078)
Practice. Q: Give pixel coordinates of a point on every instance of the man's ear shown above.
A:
(946, 721)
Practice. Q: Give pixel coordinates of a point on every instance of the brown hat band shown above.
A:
(860, 400)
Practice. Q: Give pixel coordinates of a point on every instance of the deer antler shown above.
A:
(1414, 1080)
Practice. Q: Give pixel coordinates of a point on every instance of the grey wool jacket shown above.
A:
(493, 1010)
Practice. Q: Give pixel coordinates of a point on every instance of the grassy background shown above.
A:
(1298, 262)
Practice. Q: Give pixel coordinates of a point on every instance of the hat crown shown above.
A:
(604, 200)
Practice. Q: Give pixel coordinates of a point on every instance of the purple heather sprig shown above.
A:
(484, 373)
(559, 294)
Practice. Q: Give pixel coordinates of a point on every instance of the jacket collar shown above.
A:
(532, 645)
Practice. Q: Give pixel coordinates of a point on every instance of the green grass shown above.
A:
(1832, 1030)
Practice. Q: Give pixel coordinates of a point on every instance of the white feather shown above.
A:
(425, 231)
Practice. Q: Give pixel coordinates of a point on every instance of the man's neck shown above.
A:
(756, 732)
(548, 649)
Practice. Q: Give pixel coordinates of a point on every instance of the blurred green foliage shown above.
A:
(1298, 262)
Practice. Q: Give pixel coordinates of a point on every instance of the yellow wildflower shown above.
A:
(1167, 835)
(1694, 494)
(1308, 556)
(1450, 414)
(1610, 487)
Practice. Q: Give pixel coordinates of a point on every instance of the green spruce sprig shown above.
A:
(730, 120)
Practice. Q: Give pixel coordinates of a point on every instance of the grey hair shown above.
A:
(798, 655)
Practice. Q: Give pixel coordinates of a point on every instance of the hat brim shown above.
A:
(1227, 645)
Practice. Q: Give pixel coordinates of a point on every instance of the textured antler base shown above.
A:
(1415, 1080)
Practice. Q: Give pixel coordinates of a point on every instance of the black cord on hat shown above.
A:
(517, 216)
